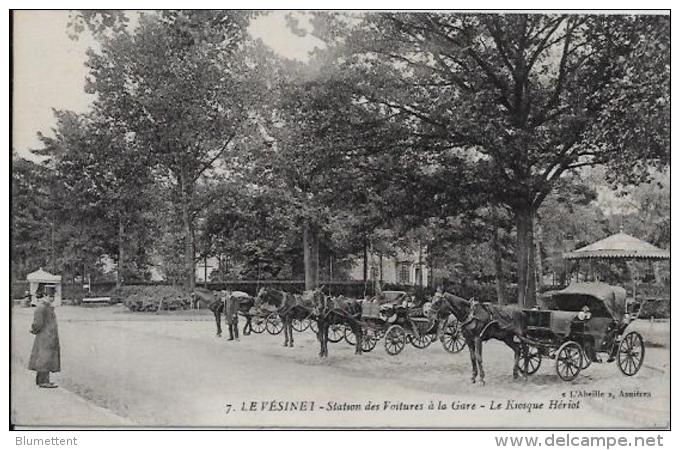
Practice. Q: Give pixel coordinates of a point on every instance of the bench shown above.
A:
(96, 301)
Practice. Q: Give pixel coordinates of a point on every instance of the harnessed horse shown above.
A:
(478, 325)
(216, 304)
(336, 311)
(288, 307)
(212, 301)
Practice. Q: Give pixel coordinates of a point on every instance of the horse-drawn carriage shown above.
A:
(581, 321)
(399, 323)
(268, 317)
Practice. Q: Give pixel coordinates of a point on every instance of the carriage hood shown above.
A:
(602, 299)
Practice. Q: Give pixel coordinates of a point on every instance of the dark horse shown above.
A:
(479, 323)
(336, 311)
(215, 303)
(212, 301)
(289, 308)
(245, 304)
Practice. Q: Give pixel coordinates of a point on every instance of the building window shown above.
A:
(405, 273)
(419, 276)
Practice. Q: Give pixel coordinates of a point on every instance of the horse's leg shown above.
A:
(480, 366)
(326, 326)
(516, 348)
(231, 329)
(285, 319)
(473, 358)
(319, 337)
(249, 324)
(358, 333)
(218, 320)
(525, 349)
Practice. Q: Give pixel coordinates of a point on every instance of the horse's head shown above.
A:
(320, 303)
(203, 296)
(311, 297)
(439, 306)
(445, 304)
(260, 296)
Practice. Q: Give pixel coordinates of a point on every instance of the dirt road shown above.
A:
(151, 370)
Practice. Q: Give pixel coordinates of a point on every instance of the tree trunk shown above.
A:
(526, 276)
(310, 242)
(365, 260)
(498, 266)
(538, 238)
(420, 267)
(365, 265)
(188, 240)
(315, 256)
(121, 253)
(205, 271)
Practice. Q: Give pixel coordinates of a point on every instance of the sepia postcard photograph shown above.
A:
(335, 219)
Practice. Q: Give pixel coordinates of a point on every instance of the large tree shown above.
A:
(31, 227)
(179, 84)
(100, 182)
(522, 99)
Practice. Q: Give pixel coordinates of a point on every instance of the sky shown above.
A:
(49, 68)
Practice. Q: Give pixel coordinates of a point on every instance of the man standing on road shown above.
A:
(45, 357)
(231, 313)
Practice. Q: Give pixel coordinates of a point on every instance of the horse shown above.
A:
(245, 304)
(336, 311)
(212, 301)
(479, 323)
(288, 307)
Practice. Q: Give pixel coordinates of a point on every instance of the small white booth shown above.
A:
(51, 282)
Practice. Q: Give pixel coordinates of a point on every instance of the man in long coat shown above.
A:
(231, 303)
(45, 357)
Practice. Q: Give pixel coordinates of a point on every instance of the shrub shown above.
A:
(657, 308)
(153, 298)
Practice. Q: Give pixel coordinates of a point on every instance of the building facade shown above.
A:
(406, 268)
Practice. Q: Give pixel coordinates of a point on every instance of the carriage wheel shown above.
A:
(274, 324)
(369, 340)
(313, 326)
(335, 333)
(532, 360)
(349, 336)
(300, 325)
(422, 341)
(569, 360)
(258, 324)
(395, 340)
(631, 353)
(452, 339)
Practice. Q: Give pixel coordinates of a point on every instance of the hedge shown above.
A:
(153, 298)
(655, 307)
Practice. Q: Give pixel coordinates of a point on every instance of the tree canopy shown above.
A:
(468, 134)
